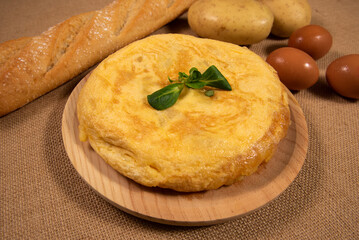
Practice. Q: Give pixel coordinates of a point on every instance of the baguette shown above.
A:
(33, 66)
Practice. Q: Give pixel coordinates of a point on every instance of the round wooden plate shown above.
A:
(188, 209)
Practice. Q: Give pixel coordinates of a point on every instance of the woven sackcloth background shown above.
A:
(43, 197)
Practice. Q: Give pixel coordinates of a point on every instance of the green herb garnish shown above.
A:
(209, 93)
(168, 96)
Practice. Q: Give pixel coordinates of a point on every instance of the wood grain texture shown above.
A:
(188, 209)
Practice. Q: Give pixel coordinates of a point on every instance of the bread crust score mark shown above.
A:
(33, 66)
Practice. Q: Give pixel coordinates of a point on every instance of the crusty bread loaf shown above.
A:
(33, 66)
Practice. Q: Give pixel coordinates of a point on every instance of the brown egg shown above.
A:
(343, 76)
(296, 69)
(312, 39)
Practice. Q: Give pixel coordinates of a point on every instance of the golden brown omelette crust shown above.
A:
(200, 143)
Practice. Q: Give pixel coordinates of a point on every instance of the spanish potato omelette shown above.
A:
(201, 142)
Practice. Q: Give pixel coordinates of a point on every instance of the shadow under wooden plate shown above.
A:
(188, 209)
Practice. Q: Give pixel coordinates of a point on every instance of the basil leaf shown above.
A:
(195, 85)
(165, 97)
(194, 75)
(182, 77)
(209, 93)
(168, 96)
(214, 78)
(169, 79)
(193, 69)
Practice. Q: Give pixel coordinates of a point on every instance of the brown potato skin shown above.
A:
(288, 15)
(241, 22)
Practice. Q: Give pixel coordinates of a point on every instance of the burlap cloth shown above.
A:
(43, 197)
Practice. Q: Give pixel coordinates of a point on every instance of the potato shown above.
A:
(242, 22)
(289, 15)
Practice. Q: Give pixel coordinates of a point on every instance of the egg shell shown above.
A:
(343, 76)
(312, 39)
(296, 69)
